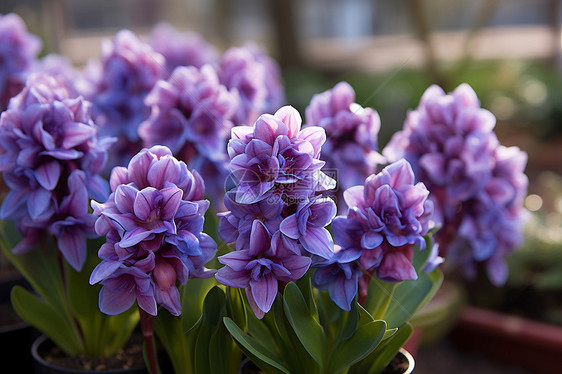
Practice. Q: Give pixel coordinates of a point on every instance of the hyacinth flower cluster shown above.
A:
(476, 184)
(181, 48)
(276, 220)
(128, 71)
(256, 77)
(18, 52)
(153, 221)
(351, 148)
(50, 160)
(387, 220)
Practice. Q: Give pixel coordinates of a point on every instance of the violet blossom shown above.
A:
(351, 147)
(128, 72)
(275, 220)
(50, 160)
(257, 79)
(153, 221)
(387, 218)
(476, 184)
(181, 48)
(18, 51)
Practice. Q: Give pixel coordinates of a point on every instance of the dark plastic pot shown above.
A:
(43, 344)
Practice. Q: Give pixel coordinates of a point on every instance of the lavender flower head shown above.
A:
(181, 48)
(129, 70)
(190, 107)
(276, 159)
(476, 184)
(153, 221)
(387, 218)
(275, 219)
(18, 50)
(50, 159)
(257, 78)
(351, 131)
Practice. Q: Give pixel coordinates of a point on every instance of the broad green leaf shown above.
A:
(386, 352)
(214, 308)
(410, 296)
(46, 319)
(192, 296)
(349, 322)
(222, 345)
(360, 344)
(307, 328)
(255, 348)
(236, 307)
(377, 296)
(169, 331)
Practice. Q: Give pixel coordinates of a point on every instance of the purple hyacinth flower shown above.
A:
(190, 107)
(276, 159)
(477, 185)
(50, 160)
(259, 270)
(340, 276)
(351, 130)
(181, 48)
(153, 221)
(307, 226)
(18, 50)
(257, 79)
(386, 218)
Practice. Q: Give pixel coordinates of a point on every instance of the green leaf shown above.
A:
(387, 351)
(377, 296)
(254, 347)
(222, 345)
(360, 344)
(192, 296)
(214, 308)
(410, 296)
(46, 319)
(307, 328)
(421, 257)
(236, 307)
(169, 331)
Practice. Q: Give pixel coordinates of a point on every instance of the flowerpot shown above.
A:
(522, 342)
(403, 363)
(43, 346)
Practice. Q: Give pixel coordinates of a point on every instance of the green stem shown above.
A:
(384, 307)
(147, 327)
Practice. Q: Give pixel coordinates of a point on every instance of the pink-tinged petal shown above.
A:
(354, 196)
(38, 203)
(289, 227)
(167, 169)
(119, 175)
(291, 118)
(104, 270)
(435, 165)
(322, 212)
(500, 191)
(125, 196)
(148, 304)
(116, 302)
(72, 244)
(171, 198)
(145, 202)
(371, 240)
(134, 237)
(268, 128)
(373, 183)
(48, 175)
(260, 241)
(318, 241)
(396, 267)
(297, 265)
(414, 197)
(138, 168)
(233, 278)
(169, 299)
(164, 275)
(316, 136)
(264, 291)
(76, 133)
(257, 311)
(258, 147)
(401, 173)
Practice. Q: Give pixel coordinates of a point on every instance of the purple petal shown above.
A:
(147, 303)
(297, 265)
(291, 118)
(257, 311)
(134, 237)
(171, 201)
(104, 270)
(396, 267)
(76, 133)
(260, 241)
(116, 302)
(371, 239)
(289, 227)
(233, 278)
(169, 299)
(342, 291)
(354, 196)
(145, 202)
(167, 169)
(72, 244)
(318, 241)
(322, 212)
(125, 197)
(268, 128)
(48, 174)
(264, 291)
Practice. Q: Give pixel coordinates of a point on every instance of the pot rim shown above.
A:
(39, 360)
(411, 361)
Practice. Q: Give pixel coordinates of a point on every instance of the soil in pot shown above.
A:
(49, 359)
